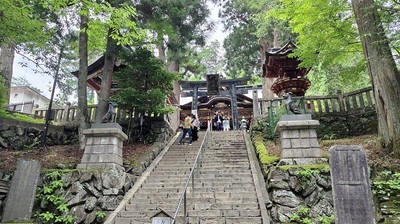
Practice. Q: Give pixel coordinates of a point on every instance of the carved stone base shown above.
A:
(103, 150)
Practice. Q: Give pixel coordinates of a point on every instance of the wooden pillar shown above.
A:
(195, 99)
(235, 115)
(256, 110)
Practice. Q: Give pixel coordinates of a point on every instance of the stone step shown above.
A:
(224, 191)
(238, 194)
(162, 200)
(196, 220)
(197, 188)
(191, 205)
(197, 213)
(203, 185)
(205, 168)
(225, 179)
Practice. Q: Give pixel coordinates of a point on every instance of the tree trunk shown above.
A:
(106, 77)
(174, 118)
(266, 82)
(161, 52)
(83, 117)
(6, 67)
(384, 74)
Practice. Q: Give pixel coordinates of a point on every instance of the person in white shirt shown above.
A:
(225, 124)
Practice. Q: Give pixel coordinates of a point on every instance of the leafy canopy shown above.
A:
(19, 23)
(143, 83)
(325, 30)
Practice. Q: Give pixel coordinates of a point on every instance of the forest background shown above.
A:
(348, 44)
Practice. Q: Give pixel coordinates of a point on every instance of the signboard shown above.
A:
(161, 220)
(213, 84)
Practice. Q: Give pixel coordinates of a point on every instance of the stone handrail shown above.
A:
(191, 178)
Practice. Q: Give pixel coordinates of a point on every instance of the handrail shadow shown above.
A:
(191, 177)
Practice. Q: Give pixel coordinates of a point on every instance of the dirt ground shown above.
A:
(61, 156)
(70, 155)
(377, 158)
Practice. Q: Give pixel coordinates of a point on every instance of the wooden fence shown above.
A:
(356, 102)
(69, 114)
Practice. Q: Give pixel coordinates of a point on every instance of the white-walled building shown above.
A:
(24, 99)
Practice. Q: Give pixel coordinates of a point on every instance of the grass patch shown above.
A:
(20, 117)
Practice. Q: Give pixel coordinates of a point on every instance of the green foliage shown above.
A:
(203, 61)
(387, 184)
(302, 216)
(327, 219)
(306, 174)
(52, 207)
(19, 23)
(327, 42)
(242, 52)
(261, 150)
(263, 154)
(144, 83)
(101, 214)
(260, 124)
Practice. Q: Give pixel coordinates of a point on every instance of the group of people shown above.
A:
(221, 123)
(190, 126)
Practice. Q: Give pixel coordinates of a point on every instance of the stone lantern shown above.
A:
(289, 76)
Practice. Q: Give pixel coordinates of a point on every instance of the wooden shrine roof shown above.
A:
(209, 101)
(278, 65)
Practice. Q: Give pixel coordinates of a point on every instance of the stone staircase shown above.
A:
(226, 190)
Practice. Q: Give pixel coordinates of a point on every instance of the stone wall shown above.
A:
(292, 192)
(342, 125)
(17, 135)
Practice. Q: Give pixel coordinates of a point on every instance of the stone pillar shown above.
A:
(298, 140)
(103, 150)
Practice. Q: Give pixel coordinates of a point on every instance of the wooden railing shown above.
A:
(69, 114)
(356, 102)
(353, 103)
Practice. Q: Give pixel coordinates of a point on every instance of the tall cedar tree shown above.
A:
(83, 68)
(383, 71)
